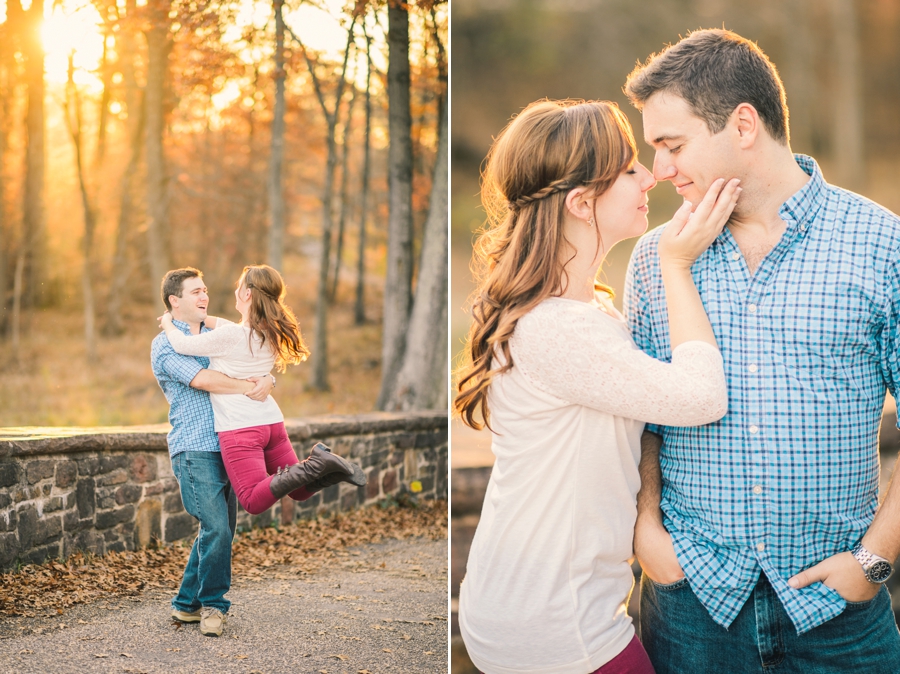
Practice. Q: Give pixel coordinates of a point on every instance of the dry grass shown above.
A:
(53, 384)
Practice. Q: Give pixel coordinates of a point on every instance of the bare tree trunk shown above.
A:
(319, 359)
(847, 134)
(345, 173)
(74, 124)
(421, 381)
(159, 44)
(33, 212)
(398, 282)
(134, 104)
(359, 310)
(106, 77)
(7, 63)
(276, 159)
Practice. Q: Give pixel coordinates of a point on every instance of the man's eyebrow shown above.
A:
(665, 137)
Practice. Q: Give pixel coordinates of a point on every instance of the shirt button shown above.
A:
(754, 429)
(735, 256)
(757, 489)
(752, 308)
(760, 546)
(753, 367)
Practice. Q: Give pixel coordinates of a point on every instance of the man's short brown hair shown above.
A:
(715, 71)
(173, 282)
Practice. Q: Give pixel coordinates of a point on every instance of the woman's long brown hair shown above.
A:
(270, 318)
(519, 258)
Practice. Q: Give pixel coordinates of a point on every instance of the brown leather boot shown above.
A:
(313, 471)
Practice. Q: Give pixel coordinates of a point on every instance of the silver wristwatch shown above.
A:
(877, 569)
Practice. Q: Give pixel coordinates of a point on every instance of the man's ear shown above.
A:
(747, 124)
(173, 301)
(578, 205)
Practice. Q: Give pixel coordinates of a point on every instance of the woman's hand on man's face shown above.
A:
(689, 234)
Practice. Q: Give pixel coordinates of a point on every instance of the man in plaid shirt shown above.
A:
(194, 449)
(761, 538)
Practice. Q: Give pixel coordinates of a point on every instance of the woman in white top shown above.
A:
(258, 456)
(554, 373)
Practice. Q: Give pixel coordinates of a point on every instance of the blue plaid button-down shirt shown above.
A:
(190, 411)
(810, 342)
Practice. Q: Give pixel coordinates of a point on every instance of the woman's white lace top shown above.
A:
(232, 350)
(549, 572)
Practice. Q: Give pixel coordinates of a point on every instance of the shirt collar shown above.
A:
(803, 206)
(185, 328)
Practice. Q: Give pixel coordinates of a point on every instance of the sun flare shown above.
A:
(72, 27)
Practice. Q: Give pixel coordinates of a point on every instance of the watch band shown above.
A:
(876, 568)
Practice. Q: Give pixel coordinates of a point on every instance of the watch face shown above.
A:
(879, 572)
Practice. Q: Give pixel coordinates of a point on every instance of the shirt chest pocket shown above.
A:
(826, 339)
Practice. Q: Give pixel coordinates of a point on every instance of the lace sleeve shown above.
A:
(218, 342)
(578, 355)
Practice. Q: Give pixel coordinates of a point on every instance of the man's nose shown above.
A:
(662, 169)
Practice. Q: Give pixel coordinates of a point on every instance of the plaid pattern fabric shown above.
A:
(190, 411)
(810, 343)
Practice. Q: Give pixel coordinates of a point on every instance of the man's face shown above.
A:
(687, 154)
(191, 306)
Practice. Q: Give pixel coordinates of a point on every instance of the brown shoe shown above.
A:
(321, 463)
(357, 477)
(186, 616)
(212, 621)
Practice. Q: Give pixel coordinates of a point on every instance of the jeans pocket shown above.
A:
(666, 587)
(863, 605)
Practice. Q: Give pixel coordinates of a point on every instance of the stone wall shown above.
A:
(105, 489)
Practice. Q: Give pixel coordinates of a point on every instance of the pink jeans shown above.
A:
(633, 660)
(250, 456)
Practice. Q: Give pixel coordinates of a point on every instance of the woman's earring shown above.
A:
(591, 222)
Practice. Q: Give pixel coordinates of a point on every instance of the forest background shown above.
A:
(138, 136)
(839, 60)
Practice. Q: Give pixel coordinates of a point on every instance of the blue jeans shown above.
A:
(207, 495)
(680, 636)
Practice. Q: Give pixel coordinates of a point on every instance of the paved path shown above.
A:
(379, 608)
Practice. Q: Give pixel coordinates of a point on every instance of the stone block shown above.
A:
(10, 473)
(431, 439)
(330, 494)
(143, 468)
(27, 528)
(264, 519)
(89, 465)
(373, 486)
(147, 529)
(53, 504)
(35, 471)
(116, 546)
(111, 518)
(41, 554)
(72, 523)
(111, 462)
(86, 541)
(427, 485)
(20, 494)
(410, 464)
(179, 527)
(5, 500)
(128, 493)
(404, 440)
(389, 481)
(8, 521)
(66, 472)
(9, 549)
(153, 489)
(172, 503)
(48, 529)
(45, 489)
(117, 476)
(349, 499)
(170, 484)
(374, 458)
(396, 458)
